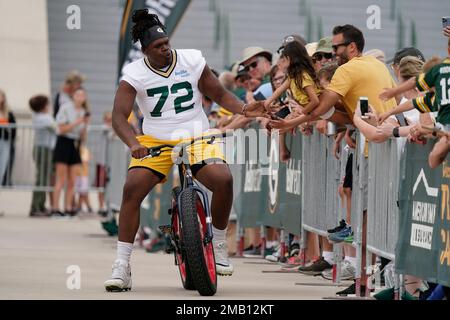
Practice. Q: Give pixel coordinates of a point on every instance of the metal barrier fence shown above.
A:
(313, 206)
(321, 204)
(29, 162)
(321, 209)
(384, 177)
(117, 161)
(359, 202)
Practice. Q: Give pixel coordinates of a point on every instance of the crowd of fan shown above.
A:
(318, 85)
(60, 152)
(310, 86)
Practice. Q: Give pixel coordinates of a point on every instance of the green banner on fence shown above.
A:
(423, 246)
(249, 203)
(290, 188)
(271, 190)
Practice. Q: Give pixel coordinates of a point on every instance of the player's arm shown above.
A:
(210, 86)
(389, 93)
(123, 105)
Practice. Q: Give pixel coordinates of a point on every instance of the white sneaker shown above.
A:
(120, 278)
(274, 257)
(347, 272)
(223, 265)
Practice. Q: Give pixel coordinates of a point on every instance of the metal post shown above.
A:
(263, 241)
(337, 250)
(240, 239)
(359, 212)
(282, 242)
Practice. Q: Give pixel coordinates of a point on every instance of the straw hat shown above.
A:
(251, 52)
(311, 48)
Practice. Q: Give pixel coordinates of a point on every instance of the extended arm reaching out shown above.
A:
(405, 106)
(210, 86)
(389, 93)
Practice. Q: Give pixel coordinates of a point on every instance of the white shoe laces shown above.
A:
(221, 252)
(120, 270)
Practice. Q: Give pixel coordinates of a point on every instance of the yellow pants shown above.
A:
(197, 153)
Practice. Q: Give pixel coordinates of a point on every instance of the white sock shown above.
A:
(328, 256)
(219, 235)
(124, 250)
(352, 261)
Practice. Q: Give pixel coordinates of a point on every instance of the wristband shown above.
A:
(395, 132)
(243, 108)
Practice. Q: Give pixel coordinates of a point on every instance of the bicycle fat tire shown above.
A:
(193, 244)
(183, 266)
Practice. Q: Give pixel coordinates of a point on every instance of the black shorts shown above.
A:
(348, 180)
(67, 151)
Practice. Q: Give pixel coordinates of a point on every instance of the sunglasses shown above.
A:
(336, 46)
(319, 56)
(250, 66)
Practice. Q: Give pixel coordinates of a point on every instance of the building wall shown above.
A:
(265, 22)
(24, 62)
(92, 49)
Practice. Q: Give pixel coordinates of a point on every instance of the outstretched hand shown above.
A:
(382, 118)
(279, 124)
(267, 104)
(255, 109)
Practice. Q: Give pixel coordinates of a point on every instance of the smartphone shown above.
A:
(87, 114)
(283, 112)
(445, 22)
(364, 105)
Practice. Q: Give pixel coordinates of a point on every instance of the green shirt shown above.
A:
(425, 103)
(266, 79)
(239, 93)
(439, 78)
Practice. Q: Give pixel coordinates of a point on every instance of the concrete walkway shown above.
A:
(40, 255)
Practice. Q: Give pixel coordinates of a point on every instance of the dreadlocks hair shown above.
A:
(143, 20)
(299, 62)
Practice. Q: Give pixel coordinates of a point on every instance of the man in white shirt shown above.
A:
(168, 86)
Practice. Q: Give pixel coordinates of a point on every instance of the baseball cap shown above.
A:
(409, 51)
(290, 38)
(251, 52)
(325, 45)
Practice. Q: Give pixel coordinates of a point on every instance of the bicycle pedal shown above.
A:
(167, 229)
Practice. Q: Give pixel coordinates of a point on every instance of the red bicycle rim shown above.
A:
(208, 252)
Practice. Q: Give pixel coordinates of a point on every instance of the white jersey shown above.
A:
(170, 100)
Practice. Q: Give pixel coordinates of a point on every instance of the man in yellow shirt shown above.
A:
(357, 76)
